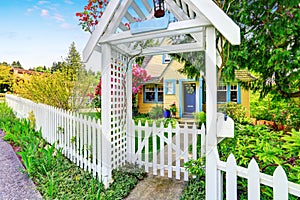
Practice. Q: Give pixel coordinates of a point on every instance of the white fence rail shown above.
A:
(166, 149)
(279, 182)
(79, 137)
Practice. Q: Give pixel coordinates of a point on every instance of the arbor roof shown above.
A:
(189, 18)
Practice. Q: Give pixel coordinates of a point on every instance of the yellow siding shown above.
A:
(145, 107)
(245, 100)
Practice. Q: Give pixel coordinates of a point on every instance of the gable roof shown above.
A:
(191, 17)
(154, 67)
(244, 76)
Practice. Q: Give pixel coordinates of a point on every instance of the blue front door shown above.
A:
(189, 97)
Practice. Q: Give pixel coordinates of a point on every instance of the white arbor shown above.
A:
(112, 46)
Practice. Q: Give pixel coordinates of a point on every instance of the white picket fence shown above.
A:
(81, 139)
(78, 136)
(279, 182)
(166, 149)
(156, 148)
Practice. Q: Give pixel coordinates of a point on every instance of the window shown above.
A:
(153, 93)
(234, 93)
(169, 87)
(222, 94)
(227, 93)
(166, 59)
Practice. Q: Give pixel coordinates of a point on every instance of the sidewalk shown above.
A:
(14, 185)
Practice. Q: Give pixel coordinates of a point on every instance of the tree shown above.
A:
(57, 66)
(6, 78)
(52, 89)
(16, 64)
(73, 63)
(270, 45)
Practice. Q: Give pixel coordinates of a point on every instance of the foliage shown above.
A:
(139, 76)
(236, 111)
(200, 118)
(284, 112)
(51, 89)
(65, 88)
(173, 108)
(195, 188)
(16, 64)
(156, 112)
(93, 11)
(125, 178)
(83, 87)
(54, 175)
(269, 45)
(6, 78)
(73, 64)
(269, 148)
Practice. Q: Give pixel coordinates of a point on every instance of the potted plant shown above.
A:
(173, 109)
(167, 113)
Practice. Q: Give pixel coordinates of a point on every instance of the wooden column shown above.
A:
(106, 113)
(211, 114)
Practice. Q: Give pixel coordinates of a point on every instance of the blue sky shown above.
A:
(38, 33)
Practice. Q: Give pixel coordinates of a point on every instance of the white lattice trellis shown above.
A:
(114, 109)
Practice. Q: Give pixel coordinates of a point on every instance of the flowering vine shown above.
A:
(139, 77)
(90, 16)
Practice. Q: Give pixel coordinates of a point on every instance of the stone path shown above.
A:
(14, 185)
(157, 188)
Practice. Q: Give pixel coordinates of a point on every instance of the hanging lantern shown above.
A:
(159, 8)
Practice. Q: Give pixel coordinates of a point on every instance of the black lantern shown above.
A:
(159, 8)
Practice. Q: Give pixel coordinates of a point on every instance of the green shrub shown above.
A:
(200, 118)
(236, 111)
(156, 112)
(281, 111)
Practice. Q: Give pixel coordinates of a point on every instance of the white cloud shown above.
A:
(43, 2)
(29, 10)
(66, 25)
(44, 13)
(69, 2)
(59, 17)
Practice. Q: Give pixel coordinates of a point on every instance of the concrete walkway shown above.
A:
(14, 185)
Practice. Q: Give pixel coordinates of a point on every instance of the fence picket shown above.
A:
(177, 151)
(280, 188)
(146, 139)
(85, 144)
(99, 149)
(253, 181)
(162, 149)
(231, 178)
(94, 149)
(169, 150)
(154, 149)
(194, 141)
(81, 142)
(89, 144)
(185, 148)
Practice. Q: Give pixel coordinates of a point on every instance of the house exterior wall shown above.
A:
(145, 107)
(171, 74)
(245, 100)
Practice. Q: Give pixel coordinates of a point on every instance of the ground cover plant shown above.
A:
(268, 146)
(54, 175)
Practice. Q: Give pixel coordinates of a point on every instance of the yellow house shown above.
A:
(168, 86)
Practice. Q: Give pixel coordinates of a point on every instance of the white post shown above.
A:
(106, 113)
(211, 114)
(130, 133)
